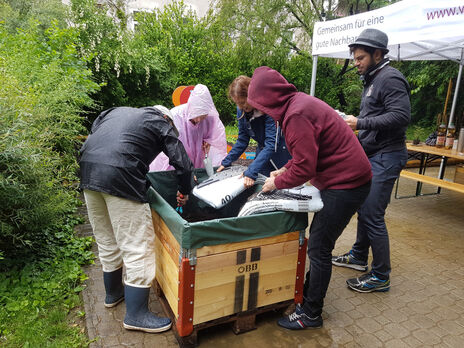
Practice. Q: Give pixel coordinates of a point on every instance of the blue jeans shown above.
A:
(327, 225)
(372, 230)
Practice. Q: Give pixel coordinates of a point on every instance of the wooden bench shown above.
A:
(449, 185)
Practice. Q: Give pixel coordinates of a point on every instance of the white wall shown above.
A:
(199, 6)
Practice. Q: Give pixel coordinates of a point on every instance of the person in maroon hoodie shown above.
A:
(325, 151)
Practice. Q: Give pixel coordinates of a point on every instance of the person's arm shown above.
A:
(269, 184)
(302, 139)
(178, 158)
(240, 145)
(397, 105)
(269, 147)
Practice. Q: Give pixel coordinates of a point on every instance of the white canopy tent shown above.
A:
(416, 29)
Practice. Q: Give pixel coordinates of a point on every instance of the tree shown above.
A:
(429, 85)
(194, 50)
(15, 14)
(269, 25)
(276, 33)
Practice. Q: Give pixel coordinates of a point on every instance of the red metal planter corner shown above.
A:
(300, 272)
(184, 321)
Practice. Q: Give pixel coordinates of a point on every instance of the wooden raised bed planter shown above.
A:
(228, 282)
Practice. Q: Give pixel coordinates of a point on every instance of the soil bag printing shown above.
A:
(223, 187)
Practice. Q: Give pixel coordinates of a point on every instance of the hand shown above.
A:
(181, 199)
(351, 121)
(278, 172)
(248, 182)
(206, 147)
(220, 169)
(269, 185)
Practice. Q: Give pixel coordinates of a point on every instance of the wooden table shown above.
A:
(439, 151)
(427, 154)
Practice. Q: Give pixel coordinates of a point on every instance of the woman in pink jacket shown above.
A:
(200, 131)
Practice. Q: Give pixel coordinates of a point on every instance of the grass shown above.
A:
(40, 304)
(49, 327)
(232, 134)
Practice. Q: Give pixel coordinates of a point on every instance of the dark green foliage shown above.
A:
(129, 71)
(191, 52)
(429, 86)
(17, 13)
(173, 47)
(170, 48)
(415, 132)
(45, 84)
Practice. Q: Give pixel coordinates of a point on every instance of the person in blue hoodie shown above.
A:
(271, 152)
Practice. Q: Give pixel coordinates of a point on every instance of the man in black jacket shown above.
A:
(384, 116)
(114, 162)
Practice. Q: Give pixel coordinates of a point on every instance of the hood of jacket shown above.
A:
(200, 103)
(270, 92)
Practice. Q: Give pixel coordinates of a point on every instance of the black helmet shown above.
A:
(372, 38)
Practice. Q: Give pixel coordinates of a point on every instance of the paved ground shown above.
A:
(424, 308)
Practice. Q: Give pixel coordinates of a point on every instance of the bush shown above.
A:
(45, 86)
(173, 47)
(429, 86)
(192, 54)
(130, 71)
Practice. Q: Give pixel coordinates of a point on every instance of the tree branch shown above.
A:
(318, 13)
(368, 4)
(299, 20)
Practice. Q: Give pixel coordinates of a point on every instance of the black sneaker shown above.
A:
(368, 283)
(298, 320)
(348, 260)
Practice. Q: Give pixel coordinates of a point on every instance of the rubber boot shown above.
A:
(114, 287)
(138, 316)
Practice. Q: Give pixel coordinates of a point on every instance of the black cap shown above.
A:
(372, 38)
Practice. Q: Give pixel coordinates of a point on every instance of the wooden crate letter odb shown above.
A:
(242, 280)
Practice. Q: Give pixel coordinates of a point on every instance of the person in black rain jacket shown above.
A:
(114, 161)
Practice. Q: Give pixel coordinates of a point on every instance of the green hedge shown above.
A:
(44, 87)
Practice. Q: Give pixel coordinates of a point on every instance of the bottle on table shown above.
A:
(450, 136)
(461, 142)
(441, 135)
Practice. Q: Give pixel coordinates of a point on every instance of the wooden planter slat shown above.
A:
(228, 282)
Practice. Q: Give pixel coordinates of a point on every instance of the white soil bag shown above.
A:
(299, 199)
(221, 187)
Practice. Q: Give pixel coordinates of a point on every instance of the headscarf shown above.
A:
(210, 130)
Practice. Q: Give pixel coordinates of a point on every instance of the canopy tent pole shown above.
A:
(313, 76)
(456, 91)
